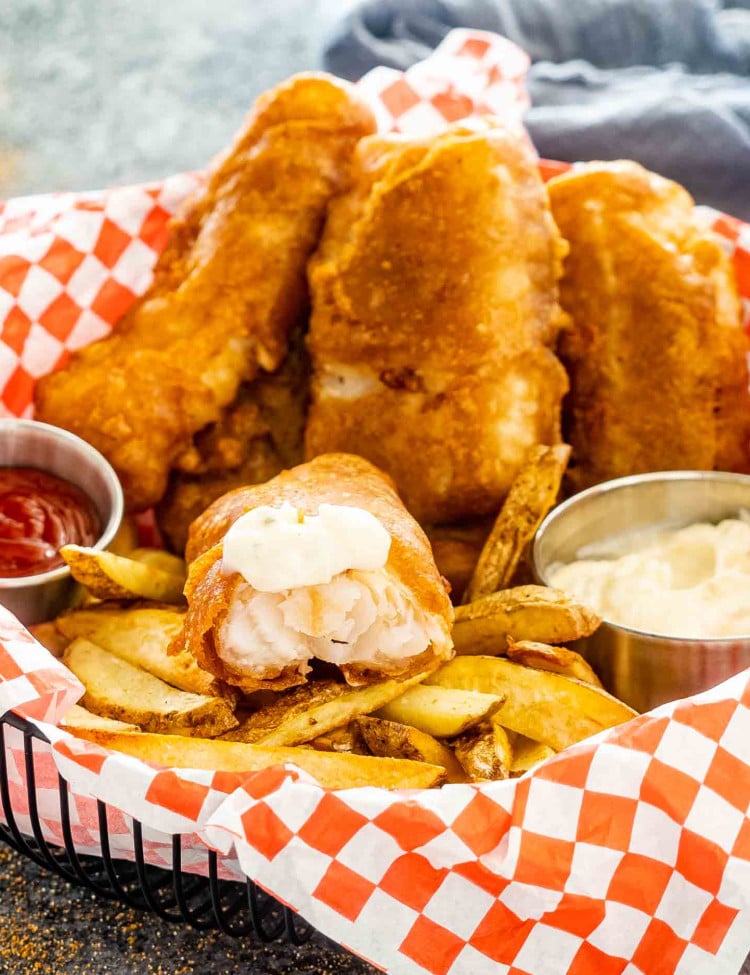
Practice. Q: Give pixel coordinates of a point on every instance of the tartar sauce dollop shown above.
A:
(684, 582)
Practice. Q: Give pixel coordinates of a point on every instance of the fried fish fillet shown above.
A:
(434, 296)
(391, 620)
(258, 437)
(227, 290)
(655, 351)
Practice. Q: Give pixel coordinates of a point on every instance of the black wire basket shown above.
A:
(204, 902)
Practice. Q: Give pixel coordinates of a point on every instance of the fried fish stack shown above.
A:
(656, 353)
(226, 293)
(434, 297)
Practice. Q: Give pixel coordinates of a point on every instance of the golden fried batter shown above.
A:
(434, 305)
(227, 290)
(655, 352)
(258, 437)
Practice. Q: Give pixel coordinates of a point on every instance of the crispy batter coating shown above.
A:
(329, 479)
(434, 308)
(227, 290)
(257, 437)
(655, 351)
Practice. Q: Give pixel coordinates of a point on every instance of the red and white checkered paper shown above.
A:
(629, 853)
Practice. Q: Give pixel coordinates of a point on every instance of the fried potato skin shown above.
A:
(389, 739)
(532, 494)
(484, 755)
(559, 660)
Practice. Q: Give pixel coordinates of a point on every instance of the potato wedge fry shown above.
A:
(485, 756)
(527, 754)
(109, 576)
(439, 711)
(80, 719)
(525, 613)
(157, 558)
(141, 635)
(116, 689)
(547, 707)
(560, 660)
(389, 739)
(501, 740)
(331, 770)
(50, 637)
(347, 739)
(531, 495)
(303, 713)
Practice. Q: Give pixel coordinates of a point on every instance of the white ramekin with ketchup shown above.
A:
(55, 490)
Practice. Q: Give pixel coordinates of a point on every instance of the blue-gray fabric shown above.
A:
(666, 82)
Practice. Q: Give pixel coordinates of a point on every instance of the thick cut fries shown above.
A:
(556, 710)
(440, 712)
(560, 660)
(79, 719)
(109, 576)
(305, 712)
(389, 739)
(116, 689)
(348, 739)
(535, 613)
(330, 769)
(527, 754)
(142, 636)
(531, 495)
(484, 755)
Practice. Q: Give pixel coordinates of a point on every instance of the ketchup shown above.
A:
(39, 513)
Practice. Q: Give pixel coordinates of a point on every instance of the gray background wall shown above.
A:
(98, 92)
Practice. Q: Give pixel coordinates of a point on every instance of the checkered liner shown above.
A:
(629, 853)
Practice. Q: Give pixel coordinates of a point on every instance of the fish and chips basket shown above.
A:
(627, 853)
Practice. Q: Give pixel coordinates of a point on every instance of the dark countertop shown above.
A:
(48, 927)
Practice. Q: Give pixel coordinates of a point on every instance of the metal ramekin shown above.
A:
(646, 669)
(28, 443)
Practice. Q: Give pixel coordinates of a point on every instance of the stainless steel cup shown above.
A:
(646, 669)
(28, 443)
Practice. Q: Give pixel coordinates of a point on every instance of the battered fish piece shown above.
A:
(321, 563)
(227, 290)
(655, 352)
(260, 435)
(434, 297)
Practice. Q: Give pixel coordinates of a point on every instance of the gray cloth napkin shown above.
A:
(666, 82)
